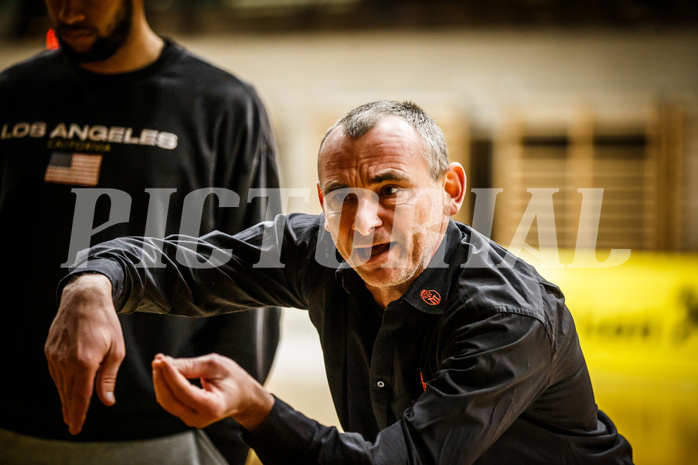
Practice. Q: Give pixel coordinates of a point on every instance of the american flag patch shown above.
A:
(73, 168)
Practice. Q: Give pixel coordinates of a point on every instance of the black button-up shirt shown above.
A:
(478, 362)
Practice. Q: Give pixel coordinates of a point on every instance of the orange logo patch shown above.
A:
(430, 297)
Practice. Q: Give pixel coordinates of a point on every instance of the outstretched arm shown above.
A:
(85, 347)
(464, 410)
(85, 341)
(226, 391)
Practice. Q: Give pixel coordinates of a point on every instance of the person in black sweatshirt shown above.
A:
(120, 132)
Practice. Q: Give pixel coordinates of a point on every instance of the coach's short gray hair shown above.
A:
(362, 119)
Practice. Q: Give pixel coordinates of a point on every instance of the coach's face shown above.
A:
(91, 30)
(385, 212)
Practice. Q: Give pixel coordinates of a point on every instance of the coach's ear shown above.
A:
(454, 182)
(321, 198)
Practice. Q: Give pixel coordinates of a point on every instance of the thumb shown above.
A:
(106, 376)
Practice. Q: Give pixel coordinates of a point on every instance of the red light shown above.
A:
(51, 40)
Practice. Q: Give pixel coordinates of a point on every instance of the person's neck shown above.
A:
(141, 48)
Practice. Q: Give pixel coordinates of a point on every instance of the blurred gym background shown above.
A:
(548, 104)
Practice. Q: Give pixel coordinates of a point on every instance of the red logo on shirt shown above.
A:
(430, 297)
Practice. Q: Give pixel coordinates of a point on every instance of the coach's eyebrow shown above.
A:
(333, 186)
(389, 175)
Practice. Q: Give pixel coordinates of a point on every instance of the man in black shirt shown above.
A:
(440, 346)
(121, 133)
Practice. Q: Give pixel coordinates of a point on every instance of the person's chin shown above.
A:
(382, 273)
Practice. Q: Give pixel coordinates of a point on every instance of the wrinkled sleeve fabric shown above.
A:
(211, 275)
(492, 370)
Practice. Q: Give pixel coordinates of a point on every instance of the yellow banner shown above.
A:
(638, 326)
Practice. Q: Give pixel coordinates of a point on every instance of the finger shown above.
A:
(176, 373)
(196, 367)
(163, 392)
(60, 379)
(56, 372)
(77, 399)
(165, 396)
(58, 382)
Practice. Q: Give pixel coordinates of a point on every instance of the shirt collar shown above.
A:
(429, 292)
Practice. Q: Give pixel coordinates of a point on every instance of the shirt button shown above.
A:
(380, 384)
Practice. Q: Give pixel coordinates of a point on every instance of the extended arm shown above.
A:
(480, 391)
(85, 338)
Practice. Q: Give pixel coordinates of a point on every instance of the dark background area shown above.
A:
(230, 16)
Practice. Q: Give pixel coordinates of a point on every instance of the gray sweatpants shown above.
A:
(188, 448)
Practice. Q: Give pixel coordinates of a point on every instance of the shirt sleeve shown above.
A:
(491, 371)
(215, 274)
